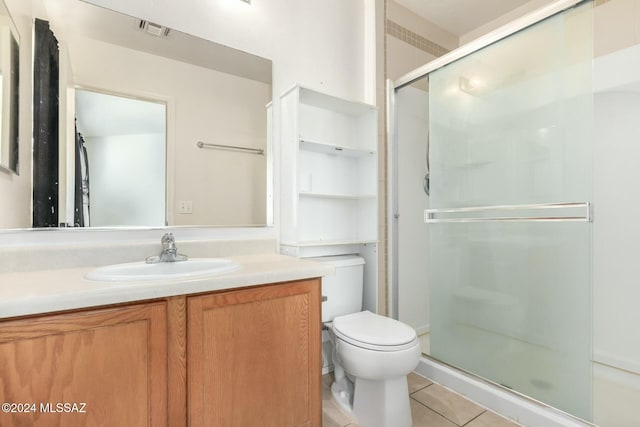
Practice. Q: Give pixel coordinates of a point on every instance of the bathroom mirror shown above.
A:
(9, 81)
(156, 127)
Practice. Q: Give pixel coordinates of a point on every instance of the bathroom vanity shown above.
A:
(237, 349)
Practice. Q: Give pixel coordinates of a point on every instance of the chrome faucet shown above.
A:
(169, 251)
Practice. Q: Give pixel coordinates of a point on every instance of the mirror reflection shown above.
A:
(123, 141)
(120, 105)
(9, 80)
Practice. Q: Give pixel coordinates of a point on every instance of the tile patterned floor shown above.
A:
(432, 405)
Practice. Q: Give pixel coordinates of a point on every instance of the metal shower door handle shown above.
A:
(425, 183)
(573, 211)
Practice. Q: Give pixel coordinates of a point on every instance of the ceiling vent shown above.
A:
(153, 29)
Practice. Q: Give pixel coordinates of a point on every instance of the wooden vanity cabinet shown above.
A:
(246, 357)
(254, 357)
(105, 367)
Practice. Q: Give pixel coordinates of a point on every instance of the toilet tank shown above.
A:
(343, 289)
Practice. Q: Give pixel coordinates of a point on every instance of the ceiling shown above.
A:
(461, 16)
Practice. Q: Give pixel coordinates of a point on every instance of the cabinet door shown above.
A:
(254, 357)
(110, 363)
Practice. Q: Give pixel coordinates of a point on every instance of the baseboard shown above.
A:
(510, 405)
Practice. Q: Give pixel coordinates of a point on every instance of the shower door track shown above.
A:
(507, 389)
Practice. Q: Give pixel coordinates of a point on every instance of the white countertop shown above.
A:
(47, 291)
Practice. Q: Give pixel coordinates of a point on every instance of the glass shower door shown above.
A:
(509, 215)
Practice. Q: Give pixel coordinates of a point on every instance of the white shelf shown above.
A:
(310, 243)
(330, 167)
(324, 100)
(324, 148)
(337, 196)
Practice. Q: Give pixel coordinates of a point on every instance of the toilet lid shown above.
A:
(373, 330)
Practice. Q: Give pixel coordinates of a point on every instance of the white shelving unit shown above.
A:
(329, 181)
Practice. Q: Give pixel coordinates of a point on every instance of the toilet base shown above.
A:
(382, 403)
(342, 393)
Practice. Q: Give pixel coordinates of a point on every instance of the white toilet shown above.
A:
(372, 354)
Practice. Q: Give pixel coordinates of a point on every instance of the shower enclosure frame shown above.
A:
(392, 87)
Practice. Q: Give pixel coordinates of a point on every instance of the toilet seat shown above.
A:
(374, 332)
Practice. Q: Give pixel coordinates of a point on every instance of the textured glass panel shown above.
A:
(511, 302)
(512, 125)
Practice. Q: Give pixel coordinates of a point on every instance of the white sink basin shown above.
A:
(141, 271)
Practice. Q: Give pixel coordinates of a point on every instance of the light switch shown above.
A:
(185, 206)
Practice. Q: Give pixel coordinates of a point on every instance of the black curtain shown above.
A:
(81, 200)
(14, 144)
(45, 126)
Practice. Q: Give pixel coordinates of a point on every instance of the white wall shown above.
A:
(225, 187)
(616, 229)
(616, 293)
(615, 238)
(315, 43)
